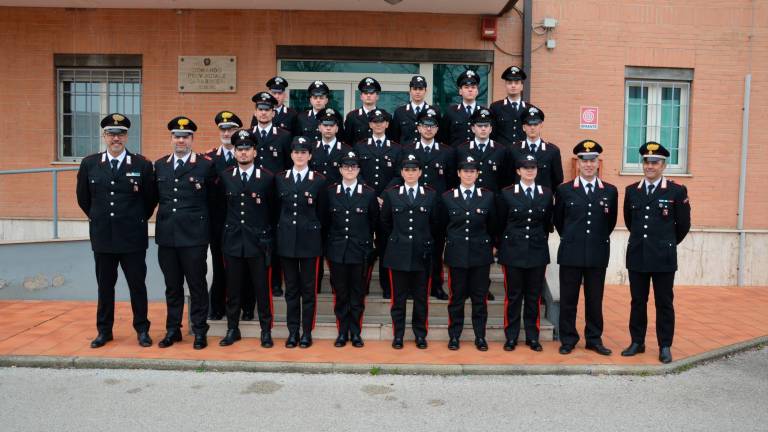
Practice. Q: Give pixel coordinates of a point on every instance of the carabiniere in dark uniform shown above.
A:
(584, 215)
(489, 155)
(405, 118)
(274, 143)
(327, 155)
(455, 121)
(114, 189)
(353, 212)
(468, 213)
(306, 120)
(550, 169)
(658, 216)
(507, 114)
(248, 238)
(356, 122)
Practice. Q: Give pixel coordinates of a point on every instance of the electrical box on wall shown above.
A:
(488, 29)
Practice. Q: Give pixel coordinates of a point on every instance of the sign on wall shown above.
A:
(588, 117)
(207, 74)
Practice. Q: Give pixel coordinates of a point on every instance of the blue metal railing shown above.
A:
(55, 188)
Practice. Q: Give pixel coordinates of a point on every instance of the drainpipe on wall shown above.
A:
(743, 179)
(527, 35)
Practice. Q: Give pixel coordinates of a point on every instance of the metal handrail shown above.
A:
(55, 197)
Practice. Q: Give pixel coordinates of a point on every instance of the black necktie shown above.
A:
(412, 194)
(245, 177)
(114, 163)
(378, 143)
(533, 148)
(427, 150)
(349, 192)
(481, 147)
(514, 106)
(312, 114)
(298, 178)
(263, 134)
(327, 148)
(589, 189)
(529, 193)
(417, 110)
(468, 194)
(179, 164)
(229, 158)
(650, 189)
(469, 109)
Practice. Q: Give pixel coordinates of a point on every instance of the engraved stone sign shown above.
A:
(207, 74)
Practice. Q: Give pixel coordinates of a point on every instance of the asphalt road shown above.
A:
(727, 395)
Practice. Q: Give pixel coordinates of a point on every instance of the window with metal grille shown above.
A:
(84, 97)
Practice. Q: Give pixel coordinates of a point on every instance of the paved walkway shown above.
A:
(708, 319)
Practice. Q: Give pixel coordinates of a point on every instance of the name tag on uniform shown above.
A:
(133, 174)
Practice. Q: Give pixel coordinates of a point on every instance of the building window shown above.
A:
(85, 95)
(656, 109)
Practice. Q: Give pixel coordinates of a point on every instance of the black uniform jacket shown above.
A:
(356, 126)
(302, 208)
(182, 213)
(285, 119)
(306, 126)
(326, 163)
(217, 204)
(550, 169)
(455, 127)
(410, 228)
(585, 223)
(507, 121)
(251, 215)
(527, 224)
(491, 163)
(402, 128)
(118, 206)
(274, 151)
(438, 168)
(378, 166)
(656, 225)
(350, 223)
(469, 227)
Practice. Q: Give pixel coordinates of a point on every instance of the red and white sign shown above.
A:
(588, 117)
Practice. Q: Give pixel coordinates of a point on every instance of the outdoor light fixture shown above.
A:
(393, 2)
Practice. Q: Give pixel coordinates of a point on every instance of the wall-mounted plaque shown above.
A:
(207, 74)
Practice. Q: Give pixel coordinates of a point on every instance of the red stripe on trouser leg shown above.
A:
(538, 313)
(506, 297)
(450, 299)
(317, 270)
(429, 289)
(333, 291)
(391, 297)
(271, 306)
(365, 297)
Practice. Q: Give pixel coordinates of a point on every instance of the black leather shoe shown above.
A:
(439, 293)
(357, 341)
(421, 342)
(144, 339)
(453, 344)
(632, 349)
(491, 297)
(306, 340)
(266, 339)
(215, 316)
(565, 349)
(665, 354)
(247, 316)
(201, 341)
(293, 340)
(481, 344)
(277, 291)
(169, 339)
(599, 348)
(101, 340)
(397, 343)
(510, 345)
(341, 341)
(232, 336)
(535, 345)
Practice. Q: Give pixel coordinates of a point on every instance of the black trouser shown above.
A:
(473, 283)
(178, 264)
(257, 283)
(436, 282)
(663, 295)
(135, 270)
(301, 292)
(570, 285)
(348, 296)
(523, 287)
(414, 283)
(380, 241)
(218, 293)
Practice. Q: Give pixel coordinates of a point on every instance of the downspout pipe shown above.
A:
(743, 179)
(527, 43)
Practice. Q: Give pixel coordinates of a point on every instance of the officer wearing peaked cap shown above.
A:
(184, 185)
(489, 154)
(114, 190)
(455, 124)
(658, 216)
(550, 169)
(468, 215)
(223, 157)
(273, 143)
(356, 122)
(403, 127)
(584, 216)
(248, 237)
(352, 215)
(285, 117)
(329, 150)
(507, 113)
(306, 121)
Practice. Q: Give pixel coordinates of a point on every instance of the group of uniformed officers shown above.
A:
(419, 190)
